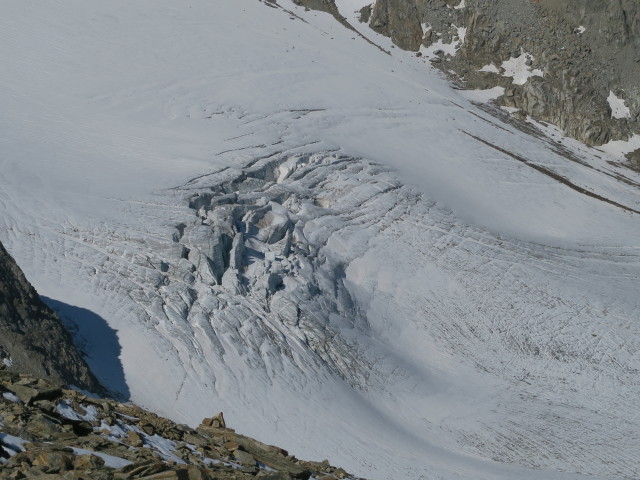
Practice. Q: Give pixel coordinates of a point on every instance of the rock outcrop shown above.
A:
(47, 432)
(32, 339)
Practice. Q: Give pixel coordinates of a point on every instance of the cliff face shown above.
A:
(32, 339)
(586, 50)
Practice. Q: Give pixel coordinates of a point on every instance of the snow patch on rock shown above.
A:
(483, 96)
(618, 107)
(439, 47)
(490, 68)
(619, 148)
(109, 460)
(519, 69)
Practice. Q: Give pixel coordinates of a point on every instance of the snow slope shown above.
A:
(326, 242)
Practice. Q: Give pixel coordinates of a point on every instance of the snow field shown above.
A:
(435, 308)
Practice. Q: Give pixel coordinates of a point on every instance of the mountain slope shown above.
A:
(571, 63)
(325, 241)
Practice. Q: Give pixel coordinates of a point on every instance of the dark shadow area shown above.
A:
(97, 342)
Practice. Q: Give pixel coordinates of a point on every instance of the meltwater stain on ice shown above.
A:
(98, 343)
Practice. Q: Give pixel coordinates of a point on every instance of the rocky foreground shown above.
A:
(48, 432)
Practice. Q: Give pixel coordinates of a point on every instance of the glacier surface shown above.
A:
(327, 242)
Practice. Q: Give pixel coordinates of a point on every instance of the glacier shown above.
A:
(329, 243)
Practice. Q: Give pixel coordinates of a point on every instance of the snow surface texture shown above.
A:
(324, 241)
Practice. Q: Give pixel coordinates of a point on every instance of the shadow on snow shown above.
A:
(97, 342)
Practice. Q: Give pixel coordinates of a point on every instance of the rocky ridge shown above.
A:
(579, 57)
(32, 339)
(47, 432)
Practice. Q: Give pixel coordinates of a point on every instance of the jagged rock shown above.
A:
(216, 422)
(181, 474)
(399, 20)
(32, 339)
(52, 461)
(87, 462)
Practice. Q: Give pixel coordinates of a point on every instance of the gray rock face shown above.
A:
(32, 339)
(585, 49)
(399, 20)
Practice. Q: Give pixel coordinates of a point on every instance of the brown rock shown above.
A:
(215, 422)
(133, 439)
(181, 474)
(86, 462)
(53, 462)
(148, 429)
